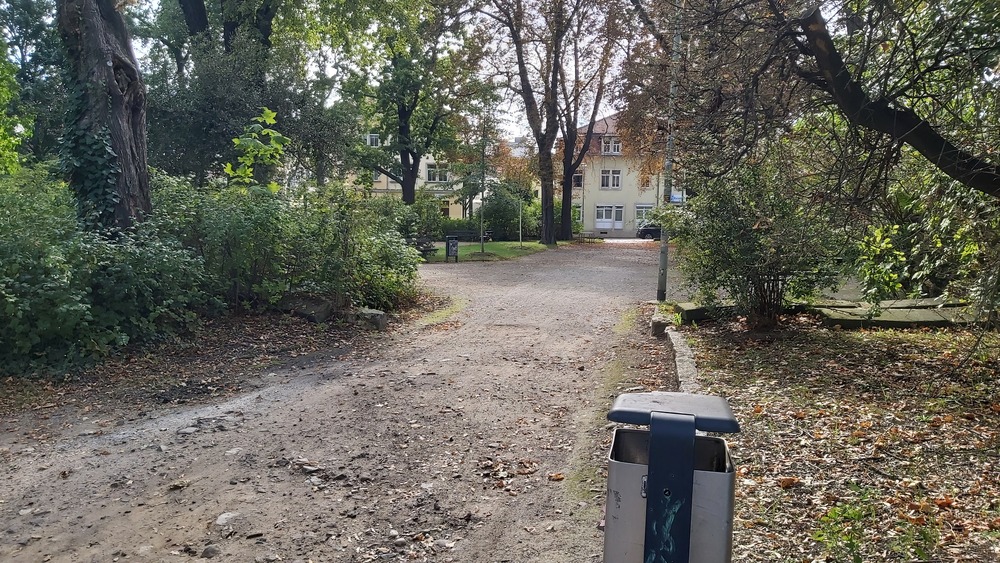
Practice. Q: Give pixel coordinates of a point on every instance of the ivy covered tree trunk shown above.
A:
(104, 144)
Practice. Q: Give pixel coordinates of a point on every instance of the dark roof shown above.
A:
(605, 126)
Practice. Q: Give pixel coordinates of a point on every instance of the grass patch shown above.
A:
(875, 445)
(455, 305)
(496, 250)
(627, 323)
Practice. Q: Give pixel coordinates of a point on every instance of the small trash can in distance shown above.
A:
(711, 486)
(451, 248)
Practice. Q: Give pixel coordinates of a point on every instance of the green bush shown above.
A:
(503, 212)
(68, 295)
(384, 271)
(259, 247)
(451, 225)
(747, 237)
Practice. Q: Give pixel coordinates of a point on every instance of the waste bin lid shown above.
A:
(711, 413)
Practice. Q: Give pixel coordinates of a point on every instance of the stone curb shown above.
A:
(687, 370)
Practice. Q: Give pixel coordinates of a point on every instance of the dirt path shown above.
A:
(472, 436)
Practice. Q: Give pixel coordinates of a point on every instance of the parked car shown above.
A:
(648, 231)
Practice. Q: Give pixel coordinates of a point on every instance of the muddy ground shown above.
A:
(474, 434)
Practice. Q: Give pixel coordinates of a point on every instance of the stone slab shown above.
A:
(895, 318)
(658, 325)
(926, 303)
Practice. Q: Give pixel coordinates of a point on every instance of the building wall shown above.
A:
(613, 212)
(444, 191)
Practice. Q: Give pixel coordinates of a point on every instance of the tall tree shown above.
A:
(537, 31)
(9, 138)
(903, 72)
(104, 146)
(206, 80)
(35, 50)
(419, 78)
(583, 79)
(880, 84)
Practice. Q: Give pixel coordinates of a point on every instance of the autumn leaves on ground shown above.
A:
(860, 446)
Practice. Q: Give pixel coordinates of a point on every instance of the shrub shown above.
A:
(748, 237)
(502, 210)
(68, 295)
(451, 225)
(259, 247)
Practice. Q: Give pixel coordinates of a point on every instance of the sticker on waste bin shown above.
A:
(452, 247)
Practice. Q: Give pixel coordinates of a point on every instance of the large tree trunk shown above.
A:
(568, 170)
(548, 199)
(195, 16)
(411, 171)
(105, 141)
(566, 213)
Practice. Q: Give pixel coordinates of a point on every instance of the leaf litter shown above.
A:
(860, 446)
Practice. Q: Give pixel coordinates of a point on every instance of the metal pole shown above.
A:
(668, 161)
(482, 191)
(520, 225)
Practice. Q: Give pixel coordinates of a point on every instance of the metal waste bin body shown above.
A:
(671, 490)
(713, 498)
(451, 248)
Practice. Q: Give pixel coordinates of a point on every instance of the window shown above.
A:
(373, 140)
(611, 179)
(609, 217)
(611, 145)
(603, 217)
(642, 211)
(445, 211)
(376, 176)
(437, 173)
(577, 180)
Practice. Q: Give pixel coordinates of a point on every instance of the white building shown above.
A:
(612, 195)
(433, 177)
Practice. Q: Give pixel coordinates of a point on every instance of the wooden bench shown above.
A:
(471, 236)
(588, 236)
(424, 245)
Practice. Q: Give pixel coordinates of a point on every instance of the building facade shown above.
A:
(434, 178)
(612, 196)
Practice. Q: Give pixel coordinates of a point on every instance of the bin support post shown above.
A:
(669, 488)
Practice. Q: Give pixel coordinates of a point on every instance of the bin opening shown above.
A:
(632, 446)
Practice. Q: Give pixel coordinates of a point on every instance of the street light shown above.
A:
(583, 196)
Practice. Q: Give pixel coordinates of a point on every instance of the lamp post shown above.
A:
(668, 164)
(583, 196)
(482, 192)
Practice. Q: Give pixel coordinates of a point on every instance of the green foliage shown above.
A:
(532, 219)
(38, 57)
(259, 246)
(259, 147)
(842, 528)
(412, 85)
(936, 238)
(423, 218)
(453, 224)
(384, 270)
(502, 210)
(880, 263)
(9, 136)
(88, 162)
(68, 295)
(747, 236)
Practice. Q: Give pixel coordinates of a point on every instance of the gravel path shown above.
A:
(473, 435)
